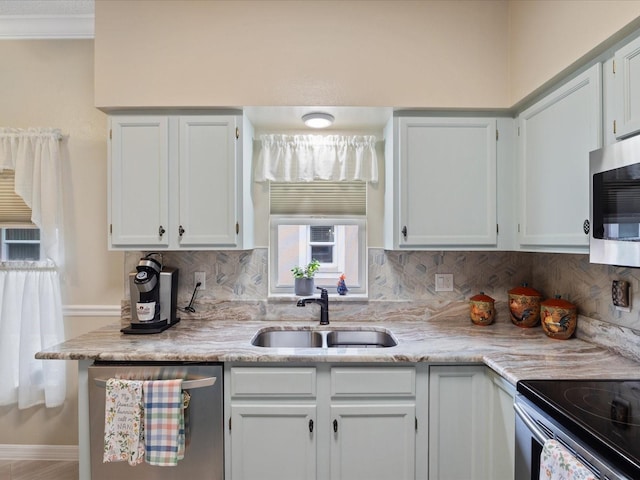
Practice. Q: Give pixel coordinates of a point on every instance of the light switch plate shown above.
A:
(444, 282)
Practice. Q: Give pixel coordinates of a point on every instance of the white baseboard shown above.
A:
(62, 453)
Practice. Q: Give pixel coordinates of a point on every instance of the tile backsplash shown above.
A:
(409, 276)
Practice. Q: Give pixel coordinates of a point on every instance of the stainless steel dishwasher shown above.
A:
(204, 454)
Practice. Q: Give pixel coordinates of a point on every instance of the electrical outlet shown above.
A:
(200, 277)
(444, 282)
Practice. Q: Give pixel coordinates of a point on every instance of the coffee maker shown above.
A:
(154, 293)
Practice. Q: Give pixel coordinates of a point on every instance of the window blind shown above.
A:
(13, 210)
(318, 198)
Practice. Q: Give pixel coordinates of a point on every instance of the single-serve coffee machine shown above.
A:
(154, 293)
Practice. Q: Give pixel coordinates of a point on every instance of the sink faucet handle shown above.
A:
(323, 291)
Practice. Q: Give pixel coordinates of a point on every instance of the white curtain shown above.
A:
(305, 158)
(34, 154)
(30, 320)
(30, 302)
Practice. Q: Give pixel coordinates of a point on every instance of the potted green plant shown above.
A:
(303, 277)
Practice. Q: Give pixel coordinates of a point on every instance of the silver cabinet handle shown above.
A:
(191, 383)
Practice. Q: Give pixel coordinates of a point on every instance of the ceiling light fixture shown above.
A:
(318, 119)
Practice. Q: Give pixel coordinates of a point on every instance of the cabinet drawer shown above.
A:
(383, 381)
(265, 382)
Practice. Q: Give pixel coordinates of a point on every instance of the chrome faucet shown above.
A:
(323, 301)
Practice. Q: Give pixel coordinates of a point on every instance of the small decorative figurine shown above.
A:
(342, 287)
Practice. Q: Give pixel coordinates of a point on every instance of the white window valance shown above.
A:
(34, 155)
(305, 158)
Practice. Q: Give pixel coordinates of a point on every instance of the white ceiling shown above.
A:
(367, 119)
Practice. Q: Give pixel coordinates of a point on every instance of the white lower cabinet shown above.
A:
(373, 417)
(294, 423)
(468, 436)
(400, 422)
(273, 441)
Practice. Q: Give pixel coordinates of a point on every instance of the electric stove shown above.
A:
(604, 415)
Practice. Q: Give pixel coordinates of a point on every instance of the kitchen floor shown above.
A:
(38, 470)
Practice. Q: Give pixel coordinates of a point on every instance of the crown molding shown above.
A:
(27, 27)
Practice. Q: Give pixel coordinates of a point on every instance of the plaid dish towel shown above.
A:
(123, 425)
(164, 422)
(557, 463)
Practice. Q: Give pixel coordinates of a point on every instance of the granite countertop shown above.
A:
(512, 352)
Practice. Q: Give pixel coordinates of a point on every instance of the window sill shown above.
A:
(333, 297)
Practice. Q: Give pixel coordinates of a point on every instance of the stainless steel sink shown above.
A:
(330, 338)
(360, 339)
(288, 338)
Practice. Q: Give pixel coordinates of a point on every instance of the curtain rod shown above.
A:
(17, 131)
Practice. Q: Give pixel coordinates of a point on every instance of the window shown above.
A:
(20, 244)
(338, 243)
(19, 239)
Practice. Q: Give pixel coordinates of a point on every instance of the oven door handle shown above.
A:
(533, 428)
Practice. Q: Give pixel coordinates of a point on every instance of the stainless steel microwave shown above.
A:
(614, 193)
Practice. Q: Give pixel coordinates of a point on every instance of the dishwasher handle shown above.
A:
(187, 384)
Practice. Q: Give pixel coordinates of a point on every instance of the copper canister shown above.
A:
(524, 306)
(482, 309)
(559, 318)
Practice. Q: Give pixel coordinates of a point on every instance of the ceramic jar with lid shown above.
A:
(524, 306)
(559, 318)
(482, 309)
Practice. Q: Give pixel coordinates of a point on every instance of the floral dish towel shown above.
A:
(123, 422)
(557, 463)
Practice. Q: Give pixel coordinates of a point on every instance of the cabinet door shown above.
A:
(627, 89)
(273, 442)
(447, 182)
(502, 425)
(458, 423)
(208, 181)
(139, 163)
(555, 138)
(373, 442)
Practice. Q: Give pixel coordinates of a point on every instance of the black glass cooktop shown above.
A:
(605, 414)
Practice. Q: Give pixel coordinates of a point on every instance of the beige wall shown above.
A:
(352, 53)
(404, 54)
(546, 37)
(50, 84)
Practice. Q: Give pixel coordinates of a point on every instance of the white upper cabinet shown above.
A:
(627, 89)
(179, 182)
(555, 137)
(139, 181)
(441, 186)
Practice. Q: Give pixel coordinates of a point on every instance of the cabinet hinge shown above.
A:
(110, 134)
(497, 229)
(614, 127)
(518, 131)
(229, 423)
(110, 228)
(497, 135)
(518, 228)
(613, 66)
(416, 424)
(237, 228)
(237, 133)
